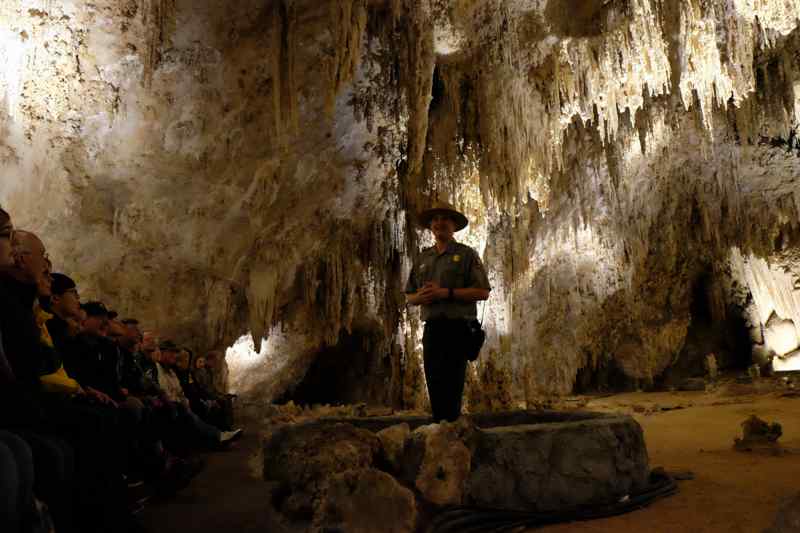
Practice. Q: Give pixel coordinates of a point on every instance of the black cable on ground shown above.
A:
(472, 520)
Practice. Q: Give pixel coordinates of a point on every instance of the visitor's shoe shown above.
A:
(136, 507)
(230, 436)
(137, 496)
(133, 480)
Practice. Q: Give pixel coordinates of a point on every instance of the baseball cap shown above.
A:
(61, 284)
(95, 309)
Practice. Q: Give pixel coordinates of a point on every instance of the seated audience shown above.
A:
(89, 403)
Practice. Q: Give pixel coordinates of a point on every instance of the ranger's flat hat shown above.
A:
(443, 208)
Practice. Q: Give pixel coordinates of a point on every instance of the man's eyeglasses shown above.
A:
(45, 255)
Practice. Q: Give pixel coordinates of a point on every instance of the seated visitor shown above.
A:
(16, 457)
(171, 385)
(218, 368)
(91, 358)
(220, 404)
(134, 375)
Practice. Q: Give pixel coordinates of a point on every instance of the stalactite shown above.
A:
(158, 17)
(348, 23)
(281, 29)
(417, 66)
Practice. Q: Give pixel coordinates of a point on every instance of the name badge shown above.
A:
(456, 258)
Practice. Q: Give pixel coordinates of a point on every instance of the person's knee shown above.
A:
(54, 458)
(133, 409)
(9, 480)
(20, 448)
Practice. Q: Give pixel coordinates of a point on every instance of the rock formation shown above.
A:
(222, 168)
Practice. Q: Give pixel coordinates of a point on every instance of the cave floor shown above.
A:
(226, 496)
(685, 431)
(731, 491)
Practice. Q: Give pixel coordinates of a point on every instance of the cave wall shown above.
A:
(196, 165)
(220, 168)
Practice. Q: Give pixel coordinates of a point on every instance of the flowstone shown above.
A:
(525, 460)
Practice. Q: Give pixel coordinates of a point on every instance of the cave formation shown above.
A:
(246, 175)
(255, 170)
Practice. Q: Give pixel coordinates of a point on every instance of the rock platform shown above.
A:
(522, 460)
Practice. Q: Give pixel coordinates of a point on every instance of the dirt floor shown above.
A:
(225, 497)
(731, 491)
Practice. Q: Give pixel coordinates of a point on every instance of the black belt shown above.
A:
(442, 320)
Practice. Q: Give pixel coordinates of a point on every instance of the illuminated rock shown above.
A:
(223, 169)
(437, 461)
(781, 336)
(301, 462)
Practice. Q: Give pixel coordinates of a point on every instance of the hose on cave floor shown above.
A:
(472, 520)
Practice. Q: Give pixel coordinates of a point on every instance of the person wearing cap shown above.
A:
(446, 281)
(65, 304)
(92, 359)
(167, 378)
(170, 383)
(50, 323)
(134, 377)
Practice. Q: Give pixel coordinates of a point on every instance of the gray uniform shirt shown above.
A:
(459, 267)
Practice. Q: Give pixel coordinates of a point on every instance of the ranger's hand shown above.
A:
(431, 292)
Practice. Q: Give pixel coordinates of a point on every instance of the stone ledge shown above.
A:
(524, 460)
(546, 467)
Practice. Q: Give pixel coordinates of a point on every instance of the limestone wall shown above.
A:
(219, 168)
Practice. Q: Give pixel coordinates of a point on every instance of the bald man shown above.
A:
(19, 288)
(30, 256)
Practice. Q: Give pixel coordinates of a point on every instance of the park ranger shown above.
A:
(447, 280)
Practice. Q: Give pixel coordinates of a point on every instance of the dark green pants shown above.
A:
(445, 366)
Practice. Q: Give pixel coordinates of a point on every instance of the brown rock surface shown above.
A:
(547, 467)
(366, 501)
(437, 462)
(301, 461)
(393, 439)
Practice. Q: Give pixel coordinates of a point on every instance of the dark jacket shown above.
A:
(22, 339)
(94, 362)
(59, 332)
(25, 357)
(134, 377)
(6, 374)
